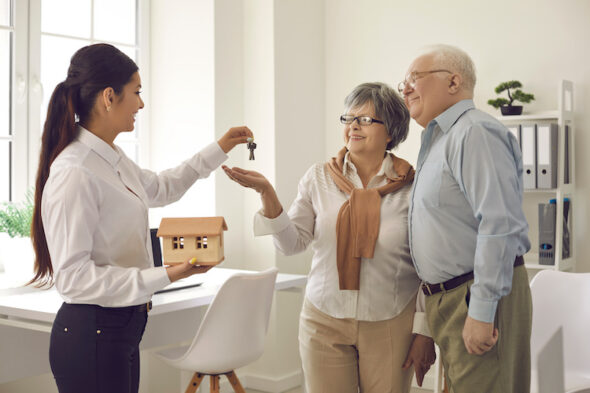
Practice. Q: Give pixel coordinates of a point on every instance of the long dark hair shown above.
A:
(92, 69)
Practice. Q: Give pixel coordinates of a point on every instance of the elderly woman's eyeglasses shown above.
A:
(413, 77)
(363, 120)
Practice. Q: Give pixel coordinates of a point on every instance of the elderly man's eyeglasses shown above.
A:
(363, 120)
(413, 77)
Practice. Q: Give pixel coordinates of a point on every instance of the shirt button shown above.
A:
(65, 329)
(98, 332)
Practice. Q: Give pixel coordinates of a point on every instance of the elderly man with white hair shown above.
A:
(467, 229)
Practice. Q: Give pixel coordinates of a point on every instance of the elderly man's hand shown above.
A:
(479, 337)
(422, 355)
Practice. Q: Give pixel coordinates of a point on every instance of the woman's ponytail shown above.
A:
(59, 130)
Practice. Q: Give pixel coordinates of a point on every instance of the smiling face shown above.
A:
(126, 105)
(432, 93)
(361, 140)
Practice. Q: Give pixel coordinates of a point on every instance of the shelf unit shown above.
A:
(564, 116)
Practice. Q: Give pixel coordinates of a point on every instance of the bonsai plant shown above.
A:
(504, 104)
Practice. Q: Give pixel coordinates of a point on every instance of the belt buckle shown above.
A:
(424, 285)
(149, 306)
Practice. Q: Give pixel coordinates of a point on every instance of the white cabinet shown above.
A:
(564, 118)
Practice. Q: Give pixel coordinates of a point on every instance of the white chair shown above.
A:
(563, 299)
(232, 332)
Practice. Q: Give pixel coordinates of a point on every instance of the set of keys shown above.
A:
(251, 146)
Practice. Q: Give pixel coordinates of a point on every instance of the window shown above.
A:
(37, 40)
(6, 129)
(201, 242)
(178, 243)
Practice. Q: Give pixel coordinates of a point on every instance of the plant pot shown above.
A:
(18, 258)
(511, 110)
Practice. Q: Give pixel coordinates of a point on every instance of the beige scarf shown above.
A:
(357, 227)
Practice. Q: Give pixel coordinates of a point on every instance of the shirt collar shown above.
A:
(446, 119)
(99, 146)
(386, 166)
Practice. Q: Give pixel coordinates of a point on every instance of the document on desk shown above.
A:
(180, 284)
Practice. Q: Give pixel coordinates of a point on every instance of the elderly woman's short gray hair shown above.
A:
(389, 107)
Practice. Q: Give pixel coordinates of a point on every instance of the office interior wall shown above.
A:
(182, 90)
(538, 42)
(281, 99)
(229, 112)
(283, 105)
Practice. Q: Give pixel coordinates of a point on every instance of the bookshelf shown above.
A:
(563, 117)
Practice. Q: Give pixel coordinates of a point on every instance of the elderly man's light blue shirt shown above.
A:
(466, 205)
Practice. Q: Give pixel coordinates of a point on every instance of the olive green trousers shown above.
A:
(506, 368)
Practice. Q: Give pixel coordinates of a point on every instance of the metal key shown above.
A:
(251, 147)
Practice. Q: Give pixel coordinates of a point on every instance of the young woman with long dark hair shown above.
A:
(90, 226)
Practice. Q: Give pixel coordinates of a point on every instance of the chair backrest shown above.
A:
(234, 327)
(562, 299)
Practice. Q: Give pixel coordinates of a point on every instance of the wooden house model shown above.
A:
(188, 237)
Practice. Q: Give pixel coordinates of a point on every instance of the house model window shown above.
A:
(178, 242)
(201, 241)
(192, 237)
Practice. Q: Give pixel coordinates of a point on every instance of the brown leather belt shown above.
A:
(431, 289)
(144, 307)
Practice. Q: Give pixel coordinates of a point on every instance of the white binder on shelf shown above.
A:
(528, 145)
(547, 155)
(515, 130)
(566, 167)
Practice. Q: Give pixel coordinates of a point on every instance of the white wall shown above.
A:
(182, 91)
(267, 76)
(283, 96)
(538, 42)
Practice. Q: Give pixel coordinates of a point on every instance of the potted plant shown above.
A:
(504, 104)
(16, 250)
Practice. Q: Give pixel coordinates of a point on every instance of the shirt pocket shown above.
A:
(427, 192)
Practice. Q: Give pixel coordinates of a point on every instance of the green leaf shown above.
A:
(518, 95)
(16, 218)
(498, 102)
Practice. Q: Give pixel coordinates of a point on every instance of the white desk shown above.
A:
(26, 316)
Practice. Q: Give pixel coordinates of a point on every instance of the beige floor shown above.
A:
(299, 390)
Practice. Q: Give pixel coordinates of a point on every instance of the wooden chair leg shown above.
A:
(214, 384)
(193, 385)
(235, 382)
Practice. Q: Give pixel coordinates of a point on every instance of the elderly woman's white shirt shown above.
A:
(388, 282)
(95, 216)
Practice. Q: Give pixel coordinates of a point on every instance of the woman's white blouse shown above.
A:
(95, 216)
(388, 282)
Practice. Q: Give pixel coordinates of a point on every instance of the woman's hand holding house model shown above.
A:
(186, 269)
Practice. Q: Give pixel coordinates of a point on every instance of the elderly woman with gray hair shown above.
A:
(361, 326)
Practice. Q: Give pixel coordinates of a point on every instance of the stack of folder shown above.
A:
(538, 143)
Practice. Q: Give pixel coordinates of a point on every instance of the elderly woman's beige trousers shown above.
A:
(350, 356)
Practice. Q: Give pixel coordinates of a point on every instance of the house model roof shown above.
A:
(192, 226)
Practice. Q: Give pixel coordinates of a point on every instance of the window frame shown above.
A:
(27, 92)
